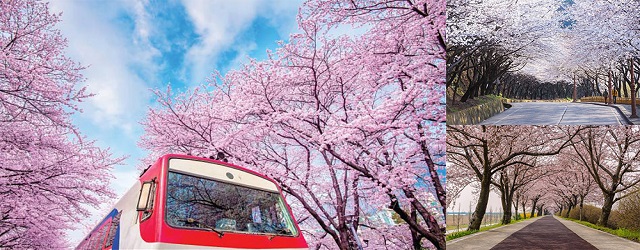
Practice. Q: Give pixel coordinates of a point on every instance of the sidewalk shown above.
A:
(625, 109)
(599, 239)
(487, 239)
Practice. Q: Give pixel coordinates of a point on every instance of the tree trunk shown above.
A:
(481, 207)
(575, 89)
(506, 207)
(581, 205)
(533, 208)
(606, 209)
(610, 100)
(469, 93)
(516, 207)
(634, 113)
(524, 208)
(415, 237)
(540, 210)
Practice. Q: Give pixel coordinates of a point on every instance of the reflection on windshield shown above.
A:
(225, 207)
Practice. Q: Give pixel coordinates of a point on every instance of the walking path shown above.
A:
(626, 110)
(546, 232)
(557, 113)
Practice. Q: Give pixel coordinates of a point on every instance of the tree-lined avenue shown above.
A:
(546, 232)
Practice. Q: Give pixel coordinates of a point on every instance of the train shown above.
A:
(189, 202)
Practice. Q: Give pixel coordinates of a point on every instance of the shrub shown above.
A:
(629, 212)
(589, 213)
(592, 214)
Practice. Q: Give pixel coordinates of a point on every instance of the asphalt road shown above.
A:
(556, 113)
(545, 233)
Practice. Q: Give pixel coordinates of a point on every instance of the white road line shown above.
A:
(563, 112)
(511, 113)
(617, 115)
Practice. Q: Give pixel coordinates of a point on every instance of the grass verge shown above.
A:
(620, 232)
(456, 106)
(482, 229)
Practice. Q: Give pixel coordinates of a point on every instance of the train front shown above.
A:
(197, 203)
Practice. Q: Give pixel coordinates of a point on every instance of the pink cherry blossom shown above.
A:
(350, 127)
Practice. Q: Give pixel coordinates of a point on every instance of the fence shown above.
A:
(460, 222)
(619, 100)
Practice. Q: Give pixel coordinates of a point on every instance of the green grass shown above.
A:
(458, 106)
(482, 229)
(460, 234)
(621, 232)
(451, 227)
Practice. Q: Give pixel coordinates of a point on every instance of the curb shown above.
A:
(626, 119)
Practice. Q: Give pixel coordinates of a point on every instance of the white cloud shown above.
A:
(281, 13)
(121, 70)
(218, 24)
(121, 95)
(242, 56)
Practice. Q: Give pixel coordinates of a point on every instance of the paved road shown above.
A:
(557, 113)
(546, 232)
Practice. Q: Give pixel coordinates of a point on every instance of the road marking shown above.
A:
(616, 115)
(563, 112)
(510, 113)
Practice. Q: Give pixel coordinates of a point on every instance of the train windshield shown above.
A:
(201, 203)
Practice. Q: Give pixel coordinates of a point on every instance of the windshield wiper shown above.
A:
(200, 224)
(284, 231)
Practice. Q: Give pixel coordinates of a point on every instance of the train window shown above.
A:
(115, 222)
(146, 199)
(200, 203)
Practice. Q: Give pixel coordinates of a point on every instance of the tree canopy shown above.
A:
(351, 127)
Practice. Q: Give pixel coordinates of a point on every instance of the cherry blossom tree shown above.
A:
(350, 127)
(570, 182)
(490, 38)
(609, 154)
(50, 175)
(577, 42)
(520, 198)
(601, 43)
(487, 150)
(511, 180)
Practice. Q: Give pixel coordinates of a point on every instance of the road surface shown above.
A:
(557, 113)
(546, 232)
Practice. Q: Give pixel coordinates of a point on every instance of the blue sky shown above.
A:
(131, 47)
